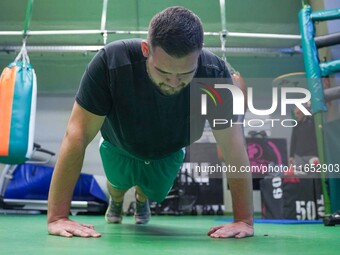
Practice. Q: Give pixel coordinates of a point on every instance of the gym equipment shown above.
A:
(211, 210)
(194, 192)
(181, 198)
(332, 220)
(291, 198)
(219, 211)
(194, 210)
(12, 201)
(9, 206)
(205, 210)
(314, 73)
(18, 93)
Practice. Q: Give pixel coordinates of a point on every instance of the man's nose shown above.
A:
(173, 81)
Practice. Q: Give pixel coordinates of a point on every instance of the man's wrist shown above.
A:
(51, 219)
(249, 221)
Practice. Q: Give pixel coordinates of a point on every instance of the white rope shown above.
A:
(23, 54)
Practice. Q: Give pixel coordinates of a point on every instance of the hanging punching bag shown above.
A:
(18, 92)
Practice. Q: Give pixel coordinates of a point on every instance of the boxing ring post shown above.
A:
(314, 73)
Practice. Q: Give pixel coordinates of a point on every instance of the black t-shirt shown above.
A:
(139, 119)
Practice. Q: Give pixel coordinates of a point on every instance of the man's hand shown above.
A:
(69, 228)
(235, 229)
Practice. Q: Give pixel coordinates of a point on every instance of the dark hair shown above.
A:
(177, 30)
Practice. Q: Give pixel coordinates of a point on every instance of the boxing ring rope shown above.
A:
(330, 67)
(325, 15)
(314, 73)
(327, 40)
(332, 93)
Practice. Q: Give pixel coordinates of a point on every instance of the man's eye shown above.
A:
(162, 73)
(183, 76)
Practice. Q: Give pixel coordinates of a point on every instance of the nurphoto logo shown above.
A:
(289, 96)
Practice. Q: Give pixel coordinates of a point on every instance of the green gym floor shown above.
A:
(164, 235)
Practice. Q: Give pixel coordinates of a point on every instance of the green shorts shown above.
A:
(154, 177)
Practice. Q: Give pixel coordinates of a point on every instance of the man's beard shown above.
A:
(169, 90)
(165, 88)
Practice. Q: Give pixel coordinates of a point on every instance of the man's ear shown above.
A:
(145, 48)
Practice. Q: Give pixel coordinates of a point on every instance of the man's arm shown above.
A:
(238, 81)
(231, 143)
(82, 128)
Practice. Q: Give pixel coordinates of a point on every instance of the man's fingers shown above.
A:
(223, 234)
(70, 228)
(59, 232)
(96, 235)
(64, 233)
(88, 226)
(90, 230)
(213, 229)
(78, 232)
(83, 232)
(236, 229)
(241, 235)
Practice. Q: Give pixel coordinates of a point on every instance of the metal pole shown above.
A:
(103, 21)
(132, 32)
(224, 33)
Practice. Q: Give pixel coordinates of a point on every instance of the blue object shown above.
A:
(282, 221)
(33, 182)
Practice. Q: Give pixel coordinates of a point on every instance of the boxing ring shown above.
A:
(315, 71)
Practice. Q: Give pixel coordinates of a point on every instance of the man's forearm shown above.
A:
(64, 178)
(242, 197)
(233, 149)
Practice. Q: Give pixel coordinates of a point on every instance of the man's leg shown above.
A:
(114, 213)
(117, 195)
(118, 168)
(154, 181)
(140, 196)
(143, 213)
